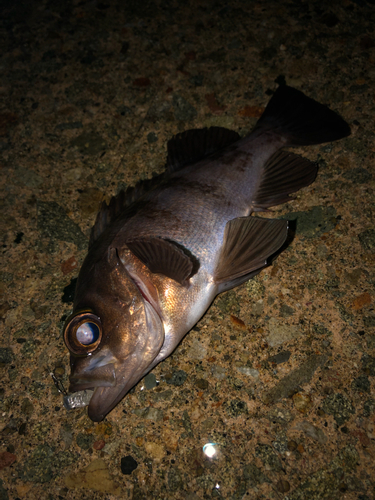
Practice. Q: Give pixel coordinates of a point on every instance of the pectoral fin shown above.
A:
(165, 257)
(248, 243)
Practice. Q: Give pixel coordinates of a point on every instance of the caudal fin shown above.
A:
(300, 119)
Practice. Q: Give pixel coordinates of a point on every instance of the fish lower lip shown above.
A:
(79, 385)
(82, 385)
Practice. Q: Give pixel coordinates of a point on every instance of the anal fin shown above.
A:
(248, 243)
(283, 174)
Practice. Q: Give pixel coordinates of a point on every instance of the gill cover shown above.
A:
(113, 335)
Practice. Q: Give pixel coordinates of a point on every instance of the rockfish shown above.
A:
(159, 253)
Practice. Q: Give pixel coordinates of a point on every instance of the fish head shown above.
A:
(113, 335)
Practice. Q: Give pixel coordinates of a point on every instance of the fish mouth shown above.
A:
(102, 401)
(111, 375)
(97, 410)
(104, 387)
(93, 398)
(105, 376)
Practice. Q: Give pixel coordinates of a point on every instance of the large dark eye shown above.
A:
(83, 332)
(87, 333)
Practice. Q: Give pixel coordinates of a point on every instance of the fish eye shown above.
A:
(87, 333)
(83, 332)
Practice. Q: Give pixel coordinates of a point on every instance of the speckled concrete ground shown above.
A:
(280, 372)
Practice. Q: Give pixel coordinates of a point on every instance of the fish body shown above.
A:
(159, 254)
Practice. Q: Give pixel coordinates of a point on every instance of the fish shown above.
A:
(160, 252)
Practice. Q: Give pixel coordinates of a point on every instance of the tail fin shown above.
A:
(300, 119)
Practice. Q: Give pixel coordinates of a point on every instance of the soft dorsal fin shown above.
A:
(248, 243)
(193, 145)
(164, 257)
(119, 203)
(283, 174)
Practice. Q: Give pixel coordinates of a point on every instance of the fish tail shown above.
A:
(300, 119)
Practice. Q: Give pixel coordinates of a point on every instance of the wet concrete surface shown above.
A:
(278, 377)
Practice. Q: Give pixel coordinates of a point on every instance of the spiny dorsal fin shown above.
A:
(119, 203)
(194, 145)
(283, 174)
(183, 149)
(248, 243)
(165, 257)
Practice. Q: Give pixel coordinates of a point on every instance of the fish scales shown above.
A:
(159, 254)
